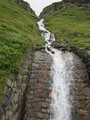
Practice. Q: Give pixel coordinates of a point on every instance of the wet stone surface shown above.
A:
(39, 88)
(81, 99)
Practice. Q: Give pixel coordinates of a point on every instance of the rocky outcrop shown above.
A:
(63, 4)
(50, 9)
(25, 5)
(14, 94)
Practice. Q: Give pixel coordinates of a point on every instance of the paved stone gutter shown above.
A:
(38, 94)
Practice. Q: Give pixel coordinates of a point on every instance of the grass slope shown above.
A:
(71, 26)
(18, 34)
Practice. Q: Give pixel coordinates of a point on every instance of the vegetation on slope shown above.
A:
(71, 26)
(18, 34)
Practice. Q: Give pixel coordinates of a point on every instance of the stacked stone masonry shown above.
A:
(82, 91)
(39, 88)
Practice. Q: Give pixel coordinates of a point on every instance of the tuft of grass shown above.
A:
(71, 26)
(18, 33)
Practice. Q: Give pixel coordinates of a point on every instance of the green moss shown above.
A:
(71, 26)
(18, 34)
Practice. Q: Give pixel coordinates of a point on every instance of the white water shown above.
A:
(61, 73)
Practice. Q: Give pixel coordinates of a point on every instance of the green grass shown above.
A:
(18, 34)
(71, 26)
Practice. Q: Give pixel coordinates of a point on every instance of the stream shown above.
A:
(62, 79)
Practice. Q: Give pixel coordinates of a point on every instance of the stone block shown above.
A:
(88, 107)
(9, 83)
(40, 115)
(29, 112)
(86, 91)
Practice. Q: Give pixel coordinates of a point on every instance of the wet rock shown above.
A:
(52, 52)
(42, 49)
(49, 49)
(59, 46)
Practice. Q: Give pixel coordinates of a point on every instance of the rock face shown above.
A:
(64, 3)
(25, 5)
(14, 93)
(50, 9)
(38, 94)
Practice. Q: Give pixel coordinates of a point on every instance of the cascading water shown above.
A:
(60, 107)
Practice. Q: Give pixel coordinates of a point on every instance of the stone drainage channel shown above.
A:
(51, 89)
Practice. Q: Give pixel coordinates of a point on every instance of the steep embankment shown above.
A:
(70, 22)
(18, 34)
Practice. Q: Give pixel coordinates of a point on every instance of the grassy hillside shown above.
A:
(71, 26)
(18, 34)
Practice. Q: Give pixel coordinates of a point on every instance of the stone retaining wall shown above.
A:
(14, 93)
(82, 91)
(85, 56)
(39, 88)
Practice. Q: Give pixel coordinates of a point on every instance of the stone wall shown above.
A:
(85, 56)
(15, 91)
(39, 88)
(82, 90)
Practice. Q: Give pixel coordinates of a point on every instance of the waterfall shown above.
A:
(61, 74)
